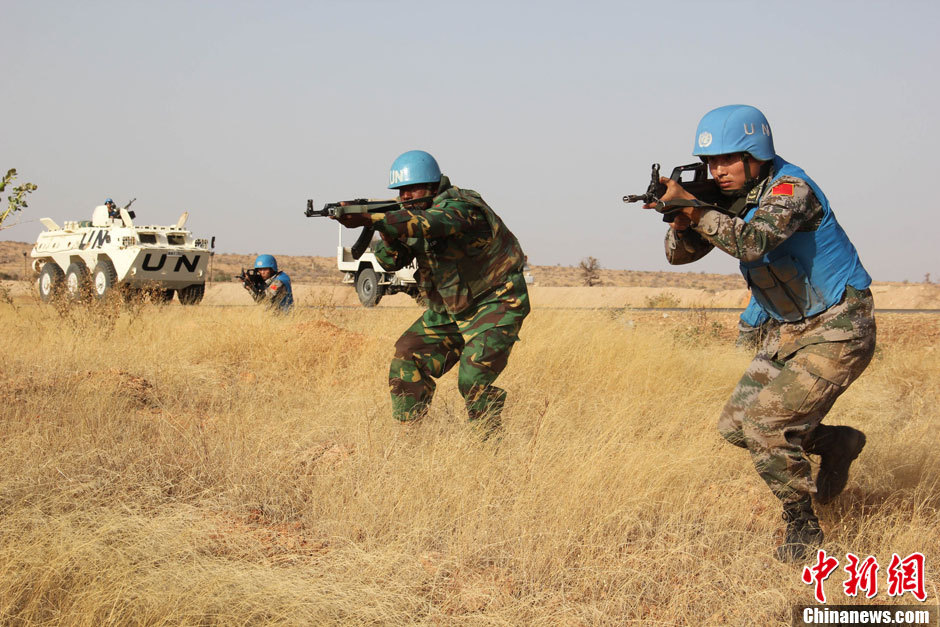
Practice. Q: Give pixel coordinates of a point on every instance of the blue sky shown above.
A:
(239, 111)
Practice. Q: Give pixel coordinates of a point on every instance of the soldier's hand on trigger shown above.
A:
(688, 215)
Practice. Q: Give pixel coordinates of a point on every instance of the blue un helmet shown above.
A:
(266, 261)
(108, 201)
(734, 128)
(412, 168)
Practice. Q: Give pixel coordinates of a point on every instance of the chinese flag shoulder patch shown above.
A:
(782, 189)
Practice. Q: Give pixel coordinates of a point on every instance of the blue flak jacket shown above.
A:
(288, 302)
(808, 272)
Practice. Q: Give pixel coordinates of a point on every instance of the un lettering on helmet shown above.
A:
(398, 176)
(734, 128)
(749, 129)
(412, 168)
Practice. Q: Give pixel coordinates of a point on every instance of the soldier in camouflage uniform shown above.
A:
(806, 276)
(469, 273)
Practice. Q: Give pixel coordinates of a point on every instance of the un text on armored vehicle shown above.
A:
(94, 257)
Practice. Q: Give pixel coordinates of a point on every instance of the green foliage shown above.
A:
(16, 197)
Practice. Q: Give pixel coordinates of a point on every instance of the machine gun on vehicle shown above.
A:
(358, 206)
(705, 190)
(128, 206)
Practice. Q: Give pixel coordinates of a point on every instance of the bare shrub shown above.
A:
(590, 271)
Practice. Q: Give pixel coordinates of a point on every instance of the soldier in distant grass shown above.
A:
(806, 276)
(275, 288)
(469, 273)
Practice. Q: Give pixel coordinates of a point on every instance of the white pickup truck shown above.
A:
(371, 280)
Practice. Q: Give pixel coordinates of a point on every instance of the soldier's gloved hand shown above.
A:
(354, 220)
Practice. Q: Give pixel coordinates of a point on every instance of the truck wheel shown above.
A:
(77, 281)
(192, 294)
(103, 278)
(368, 288)
(50, 281)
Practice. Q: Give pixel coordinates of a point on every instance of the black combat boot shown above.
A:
(803, 533)
(837, 448)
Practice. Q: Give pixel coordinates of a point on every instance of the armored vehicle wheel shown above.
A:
(76, 281)
(50, 281)
(103, 278)
(368, 288)
(192, 294)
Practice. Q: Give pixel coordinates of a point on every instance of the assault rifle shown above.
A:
(252, 279)
(706, 190)
(360, 205)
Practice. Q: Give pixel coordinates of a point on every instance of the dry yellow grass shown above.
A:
(217, 465)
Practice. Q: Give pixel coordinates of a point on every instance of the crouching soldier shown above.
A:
(470, 275)
(806, 276)
(273, 288)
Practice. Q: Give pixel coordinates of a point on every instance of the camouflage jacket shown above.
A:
(777, 217)
(462, 248)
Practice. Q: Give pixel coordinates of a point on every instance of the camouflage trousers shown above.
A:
(479, 339)
(776, 409)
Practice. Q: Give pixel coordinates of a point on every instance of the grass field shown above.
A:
(217, 465)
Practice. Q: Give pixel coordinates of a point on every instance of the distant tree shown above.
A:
(16, 197)
(590, 271)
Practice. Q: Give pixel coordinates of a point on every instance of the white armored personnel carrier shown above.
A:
(94, 257)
